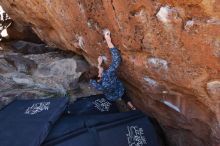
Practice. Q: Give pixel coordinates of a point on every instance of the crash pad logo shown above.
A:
(136, 136)
(37, 108)
(102, 104)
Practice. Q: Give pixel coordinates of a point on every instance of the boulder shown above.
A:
(30, 48)
(33, 72)
(170, 51)
(22, 64)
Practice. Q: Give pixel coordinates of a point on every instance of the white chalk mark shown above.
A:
(189, 24)
(171, 106)
(163, 14)
(158, 63)
(150, 81)
(214, 21)
(81, 42)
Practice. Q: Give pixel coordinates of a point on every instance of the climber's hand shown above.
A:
(108, 39)
(100, 60)
(131, 106)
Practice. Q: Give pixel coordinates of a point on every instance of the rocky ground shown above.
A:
(30, 71)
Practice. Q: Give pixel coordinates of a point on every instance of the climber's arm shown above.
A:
(116, 57)
(96, 85)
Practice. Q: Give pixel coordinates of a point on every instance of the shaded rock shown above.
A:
(74, 86)
(5, 83)
(83, 90)
(5, 67)
(59, 68)
(9, 96)
(60, 75)
(5, 101)
(18, 31)
(53, 75)
(45, 58)
(91, 73)
(51, 85)
(30, 48)
(82, 66)
(22, 64)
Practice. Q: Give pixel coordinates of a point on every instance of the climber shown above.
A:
(108, 81)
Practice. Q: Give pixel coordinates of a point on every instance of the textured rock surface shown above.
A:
(40, 75)
(170, 49)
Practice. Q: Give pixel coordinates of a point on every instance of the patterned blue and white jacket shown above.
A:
(109, 84)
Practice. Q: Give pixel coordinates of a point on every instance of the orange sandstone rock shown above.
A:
(170, 50)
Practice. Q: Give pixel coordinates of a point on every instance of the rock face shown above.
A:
(27, 71)
(170, 50)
